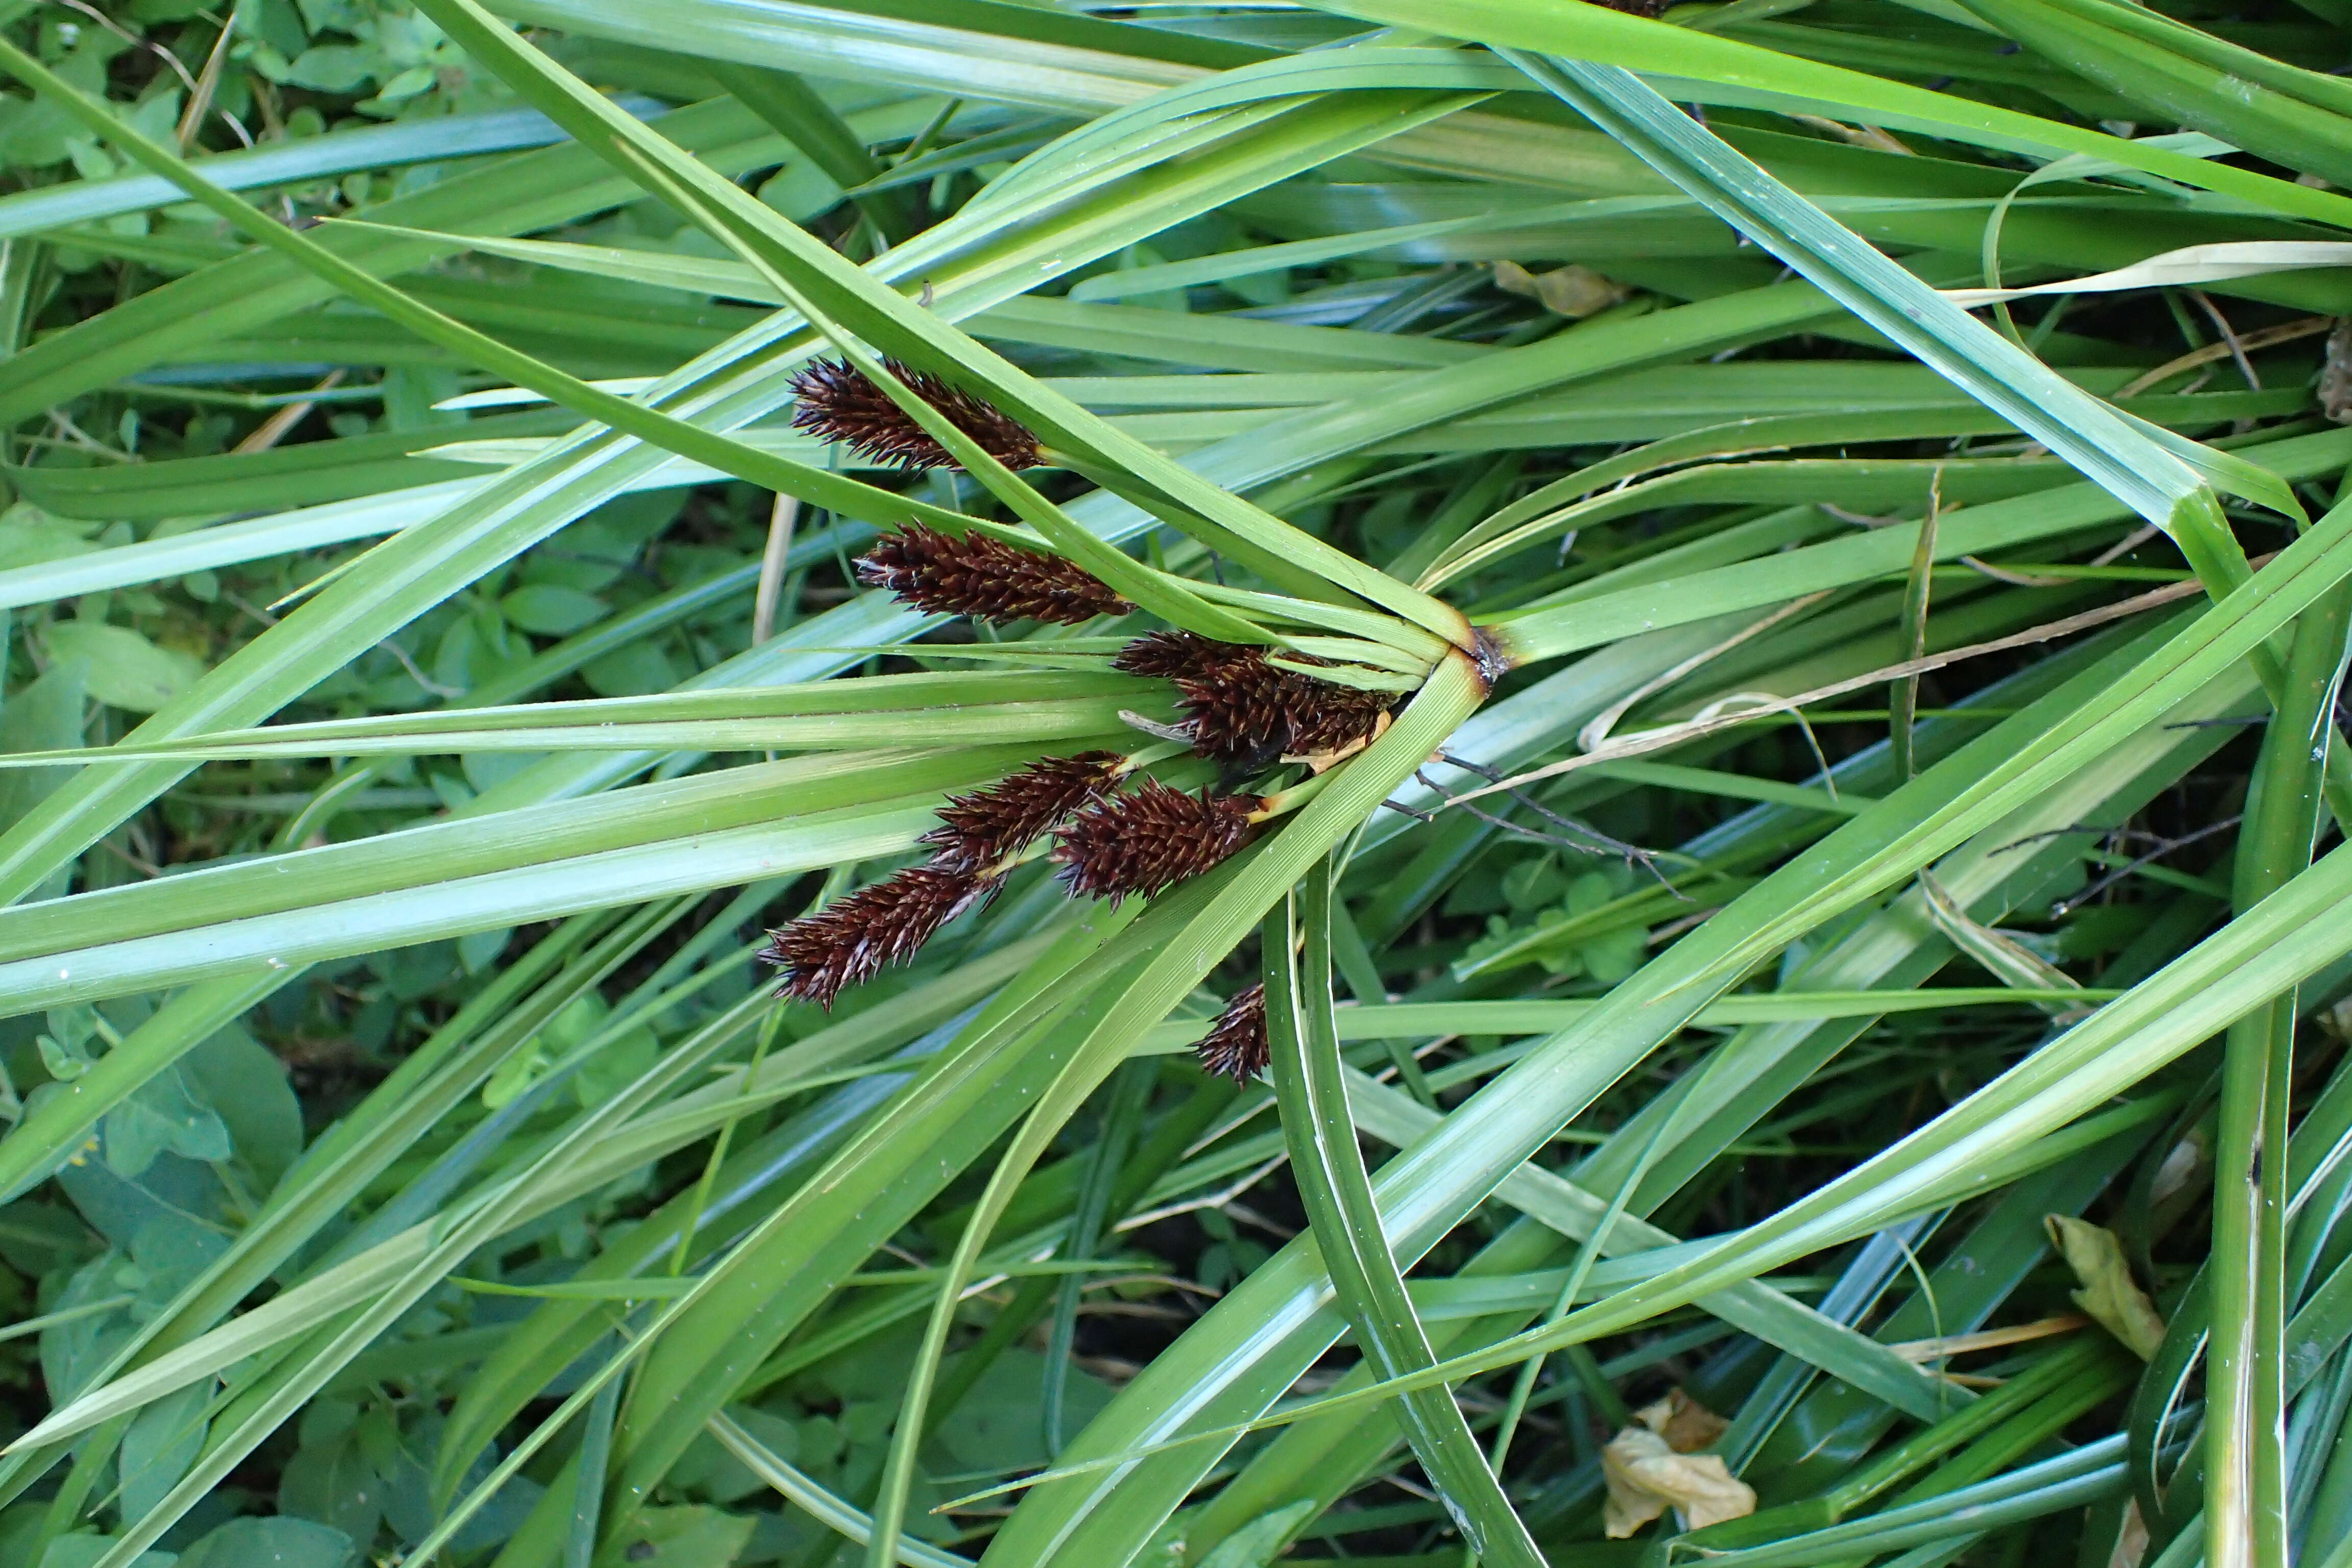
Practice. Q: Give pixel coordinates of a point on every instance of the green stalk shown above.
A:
(2148, 476)
(894, 324)
(799, 113)
(2286, 937)
(588, 1474)
(1902, 700)
(1309, 1081)
(1129, 1098)
(387, 1123)
(2245, 1468)
(2165, 478)
(717, 1155)
(2091, 1382)
(1157, 592)
(1604, 1395)
(2265, 117)
(1929, 1443)
(1164, 1145)
(1966, 1447)
(250, 1421)
(91, 1462)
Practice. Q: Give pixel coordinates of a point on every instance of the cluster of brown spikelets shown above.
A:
(836, 402)
(1108, 846)
(972, 850)
(1148, 840)
(977, 575)
(1236, 1045)
(1239, 706)
(854, 938)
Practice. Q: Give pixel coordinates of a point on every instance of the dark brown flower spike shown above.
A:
(979, 829)
(838, 402)
(853, 938)
(1238, 703)
(978, 575)
(1236, 1045)
(1165, 655)
(1149, 839)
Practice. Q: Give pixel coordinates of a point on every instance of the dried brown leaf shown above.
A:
(2109, 1295)
(1646, 1477)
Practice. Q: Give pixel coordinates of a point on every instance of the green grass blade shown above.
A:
(1989, 367)
(290, 162)
(1576, 31)
(1150, 589)
(1346, 1220)
(2246, 1481)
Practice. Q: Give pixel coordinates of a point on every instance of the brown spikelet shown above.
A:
(977, 575)
(1238, 703)
(978, 829)
(1327, 717)
(1236, 1045)
(1150, 840)
(1638, 7)
(1168, 655)
(852, 939)
(838, 403)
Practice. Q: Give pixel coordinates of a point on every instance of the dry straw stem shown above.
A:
(1677, 734)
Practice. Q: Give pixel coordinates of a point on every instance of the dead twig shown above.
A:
(781, 519)
(2246, 343)
(274, 429)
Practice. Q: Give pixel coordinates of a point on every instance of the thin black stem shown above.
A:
(1599, 842)
(1586, 841)
(2120, 872)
